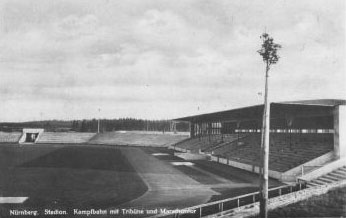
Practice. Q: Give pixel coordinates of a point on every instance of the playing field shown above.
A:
(104, 177)
(67, 177)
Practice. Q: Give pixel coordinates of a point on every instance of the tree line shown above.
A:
(91, 125)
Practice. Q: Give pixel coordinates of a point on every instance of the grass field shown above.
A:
(97, 176)
(67, 176)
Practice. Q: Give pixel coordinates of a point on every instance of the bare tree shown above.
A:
(269, 54)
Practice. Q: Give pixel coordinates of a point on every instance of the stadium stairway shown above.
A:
(335, 176)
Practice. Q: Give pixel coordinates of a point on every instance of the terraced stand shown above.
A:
(65, 137)
(10, 137)
(335, 176)
(137, 138)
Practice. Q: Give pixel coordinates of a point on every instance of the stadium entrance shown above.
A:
(30, 135)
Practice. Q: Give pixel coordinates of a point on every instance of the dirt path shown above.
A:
(167, 186)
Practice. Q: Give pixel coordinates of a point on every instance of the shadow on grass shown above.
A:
(82, 158)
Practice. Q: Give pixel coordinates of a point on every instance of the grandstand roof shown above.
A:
(325, 102)
(304, 108)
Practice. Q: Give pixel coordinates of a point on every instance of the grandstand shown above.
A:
(284, 154)
(304, 137)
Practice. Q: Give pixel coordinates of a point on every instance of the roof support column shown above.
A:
(340, 131)
(192, 130)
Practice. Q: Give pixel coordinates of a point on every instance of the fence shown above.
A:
(232, 203)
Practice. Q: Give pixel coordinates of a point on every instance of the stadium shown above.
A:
(172, 109)
(213, 170)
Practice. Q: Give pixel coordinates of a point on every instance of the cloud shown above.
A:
(167, 57)
(168, 31)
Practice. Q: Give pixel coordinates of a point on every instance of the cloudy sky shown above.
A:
(64, 59)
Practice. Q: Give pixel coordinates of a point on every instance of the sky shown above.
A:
(163, 59)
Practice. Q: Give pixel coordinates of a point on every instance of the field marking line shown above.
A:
(160, 154)
(12, 200)
(185, 163)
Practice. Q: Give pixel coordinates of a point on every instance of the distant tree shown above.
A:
(47, 126)
(84, 127)
(91, 125)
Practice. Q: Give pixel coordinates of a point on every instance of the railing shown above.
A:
(231, 203)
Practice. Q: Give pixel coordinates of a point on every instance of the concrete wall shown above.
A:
(191, 156)
(175, 148)
(213, 158)
(340, 131)
(247, 167)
